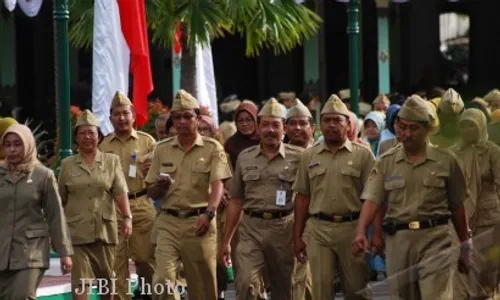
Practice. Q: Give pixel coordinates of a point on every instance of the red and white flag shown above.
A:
(120, 47)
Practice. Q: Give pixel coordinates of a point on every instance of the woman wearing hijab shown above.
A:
(390, 119)
(90, 182)
(480, 162)
(246, 134)
(30, 214)
(5, 123)
(354, 129)
(373, 125)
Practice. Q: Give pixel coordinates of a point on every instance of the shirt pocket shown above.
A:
(316, 175)
(395, 190)
(350, 177)
(37, 239)
(200, 174)
(435, 189)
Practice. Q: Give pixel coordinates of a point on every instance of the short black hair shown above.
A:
(169, 124)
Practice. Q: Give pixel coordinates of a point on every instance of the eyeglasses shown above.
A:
(87, 133)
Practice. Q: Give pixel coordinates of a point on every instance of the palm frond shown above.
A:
(280, 25)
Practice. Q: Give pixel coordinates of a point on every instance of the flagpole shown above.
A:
(61, 46)
(353, 33)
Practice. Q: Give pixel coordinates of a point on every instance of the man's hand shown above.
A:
(464, 259)
(164, 182)
(360, 244)
(127, 228)
(202, 225)
(378, 244)
(225, 254)
(225, 198)
(66, 264)
(144, 167)
(299, 249)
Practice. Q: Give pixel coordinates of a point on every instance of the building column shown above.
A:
(384, 83)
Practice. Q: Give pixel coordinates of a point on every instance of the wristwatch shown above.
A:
(210, 214)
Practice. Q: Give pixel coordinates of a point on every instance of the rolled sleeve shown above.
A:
(237, 188)
(374, 188)
(119, 185)
(457, 191)
(219, 167)
(154, 169)
(301, 184)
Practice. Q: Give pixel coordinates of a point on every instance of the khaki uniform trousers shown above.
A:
(264, 242)
(302, 282)
(482, 278)
(419, 264)
(181, 277)
(329, 248)
(138, 247)
(177, 241)
(20, 284)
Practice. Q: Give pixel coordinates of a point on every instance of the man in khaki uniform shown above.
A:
(381, 103)
(287, 99)
(330, 179)
(133, 147)
(184, 167)
(300, 130)
(262, 190)
(423, 188)
(299, 126)
(449, 110)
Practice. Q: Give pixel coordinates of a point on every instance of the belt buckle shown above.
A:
(338, 219)
(414, 225)
(267, 216)
(182, 214)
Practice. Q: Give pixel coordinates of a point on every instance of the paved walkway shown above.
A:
(53, 278)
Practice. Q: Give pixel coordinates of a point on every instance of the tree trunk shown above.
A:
(188, 66)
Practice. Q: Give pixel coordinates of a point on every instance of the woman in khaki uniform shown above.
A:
(88, 184)
(30, 213)
(480, 161)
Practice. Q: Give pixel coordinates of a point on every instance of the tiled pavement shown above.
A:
(52, 277)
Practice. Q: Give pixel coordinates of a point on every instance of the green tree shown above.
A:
(280, 25)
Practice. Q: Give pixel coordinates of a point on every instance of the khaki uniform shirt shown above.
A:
(88, 197)
(192, 171)
(139, 143)
(257, 178)
(431, 187)
(487, 206)
(334, 181)
(31, 212)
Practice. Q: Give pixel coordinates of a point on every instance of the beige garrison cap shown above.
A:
(286, 95)
(273, 108)
(415, 109)
(87, 118)
(335, 106)
(382, 99)
(451, 103)
(298, 110)
(492, 96)
(184, 100)
(120, 100)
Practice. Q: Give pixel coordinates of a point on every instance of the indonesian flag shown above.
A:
(120, 47)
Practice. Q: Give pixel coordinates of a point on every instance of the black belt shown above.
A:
(269, 215)
(184, 214)
(337, 218)
(392, 226)
(137, 195)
